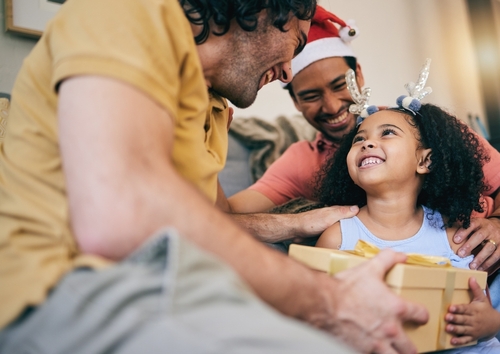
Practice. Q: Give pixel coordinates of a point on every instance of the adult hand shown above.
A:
(367, 315)
(480, 232)
(314, 222)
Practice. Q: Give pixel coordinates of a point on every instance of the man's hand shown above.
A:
(480, 232)
(279, 227)
(472, 321)
(313, 223)
(365, 313)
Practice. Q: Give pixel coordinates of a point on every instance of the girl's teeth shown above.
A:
(371, 161)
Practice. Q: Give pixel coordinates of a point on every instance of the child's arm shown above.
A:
(331, 237)
(472, 321)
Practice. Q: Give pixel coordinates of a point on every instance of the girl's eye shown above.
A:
(357, 139)
(388, 131)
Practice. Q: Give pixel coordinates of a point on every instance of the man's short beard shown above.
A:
(238, 100)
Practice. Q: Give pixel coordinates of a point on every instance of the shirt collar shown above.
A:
(217, 102)
(322, 143)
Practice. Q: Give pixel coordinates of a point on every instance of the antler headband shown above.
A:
(417, 91)
(360, 107)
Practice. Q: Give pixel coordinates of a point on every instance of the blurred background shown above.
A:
(462, 37)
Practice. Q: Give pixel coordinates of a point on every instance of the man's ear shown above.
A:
(424, 161)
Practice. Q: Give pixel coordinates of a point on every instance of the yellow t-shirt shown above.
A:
(146, 43)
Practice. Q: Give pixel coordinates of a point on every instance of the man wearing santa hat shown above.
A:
(318, 90)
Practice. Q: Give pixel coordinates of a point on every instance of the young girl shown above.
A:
(416, 173)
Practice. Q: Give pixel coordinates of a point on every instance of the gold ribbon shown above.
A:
(368, 250)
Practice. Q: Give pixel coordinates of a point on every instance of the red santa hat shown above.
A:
(325, 40)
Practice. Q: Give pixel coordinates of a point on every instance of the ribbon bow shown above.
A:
(368, 250)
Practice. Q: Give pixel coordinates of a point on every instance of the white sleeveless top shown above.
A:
(430, 240)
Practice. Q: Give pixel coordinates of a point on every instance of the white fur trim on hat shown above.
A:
(320, 49)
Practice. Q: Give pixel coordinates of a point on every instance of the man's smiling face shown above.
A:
(320, 93)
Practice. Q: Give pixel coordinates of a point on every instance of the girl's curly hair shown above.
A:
(455, 182)
(200, 12)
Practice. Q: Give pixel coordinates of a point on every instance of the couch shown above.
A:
(254, 144)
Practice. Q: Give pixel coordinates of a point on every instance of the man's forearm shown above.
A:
(278, 227)
(278, 280)
(270, 227)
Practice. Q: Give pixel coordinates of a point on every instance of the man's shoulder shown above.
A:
(310, 148)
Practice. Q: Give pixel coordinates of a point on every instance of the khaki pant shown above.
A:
(168, 297)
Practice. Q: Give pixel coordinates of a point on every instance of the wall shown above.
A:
(396, 36)
(13, 49)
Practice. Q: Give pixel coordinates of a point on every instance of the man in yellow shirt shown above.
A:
(109, 238)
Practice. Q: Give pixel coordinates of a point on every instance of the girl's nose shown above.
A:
(368, 144)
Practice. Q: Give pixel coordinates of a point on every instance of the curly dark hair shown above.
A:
(455, 182)
(200, 12)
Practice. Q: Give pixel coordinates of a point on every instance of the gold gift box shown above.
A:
(435, 287)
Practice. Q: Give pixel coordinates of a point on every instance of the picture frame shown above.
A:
(29, 17)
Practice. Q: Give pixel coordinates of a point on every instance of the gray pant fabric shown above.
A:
(168, 297)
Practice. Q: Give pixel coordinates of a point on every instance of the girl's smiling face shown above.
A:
(385, 151)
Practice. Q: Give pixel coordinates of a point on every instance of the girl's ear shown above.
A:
(424, 161)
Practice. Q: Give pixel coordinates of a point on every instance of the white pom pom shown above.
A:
(407, 102)
(349, 32)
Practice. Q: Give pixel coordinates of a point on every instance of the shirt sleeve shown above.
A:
(491, 169)
(145, 44)
(290, 176)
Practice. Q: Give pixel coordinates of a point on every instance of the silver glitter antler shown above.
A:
(418, 90)
(360, 107)
(360, 98)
